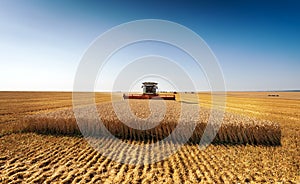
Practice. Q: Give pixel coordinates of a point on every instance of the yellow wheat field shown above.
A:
(235, 129)
(44, 158)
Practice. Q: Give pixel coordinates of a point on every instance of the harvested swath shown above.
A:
(235, 129)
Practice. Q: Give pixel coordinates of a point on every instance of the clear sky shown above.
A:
(257, 43)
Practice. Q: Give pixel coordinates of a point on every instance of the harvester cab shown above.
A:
(149, 88)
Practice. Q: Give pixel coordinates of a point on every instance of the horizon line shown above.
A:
(67, 91)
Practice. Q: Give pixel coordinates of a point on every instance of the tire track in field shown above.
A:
(50, 159)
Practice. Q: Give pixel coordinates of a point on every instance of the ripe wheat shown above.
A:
(235, 129)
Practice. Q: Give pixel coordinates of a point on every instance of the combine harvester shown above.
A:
(149, 92)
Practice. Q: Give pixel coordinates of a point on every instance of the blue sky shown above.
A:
(257, 43)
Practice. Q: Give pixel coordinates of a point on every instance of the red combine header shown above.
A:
(149, 92)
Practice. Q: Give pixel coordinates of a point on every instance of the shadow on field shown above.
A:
(188, 102)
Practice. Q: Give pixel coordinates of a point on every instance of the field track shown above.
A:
(41, 158)
(30, 157)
